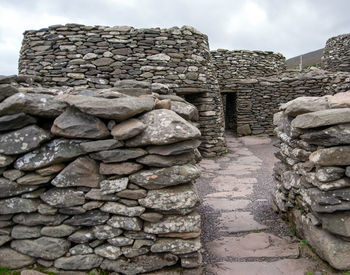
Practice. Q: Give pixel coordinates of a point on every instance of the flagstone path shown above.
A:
(241, 233)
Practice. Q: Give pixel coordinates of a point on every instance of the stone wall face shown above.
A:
(257, 99)
(313, 174)
(101, 57)
(336, 55)
(98, 179)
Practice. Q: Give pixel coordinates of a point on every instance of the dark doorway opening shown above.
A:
(229, 101)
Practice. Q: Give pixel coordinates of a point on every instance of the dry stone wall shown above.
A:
(98, 179)
(313, 174)
(336, 55)
(257, 99)
(172, 61)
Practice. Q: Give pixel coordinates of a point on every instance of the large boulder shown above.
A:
(304, 104)
(163, 127)
(185, 110)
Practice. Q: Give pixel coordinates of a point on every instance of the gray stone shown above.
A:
(337, 223)
(331, 156)
(6, 91)
(81, 172)
(131, 252)
(46, 248)
(104, 232)
(9, 188)
(12, 174)
(16, 121)
(152, 217)
(81, 249)
(46, 209)
(75, 124)
(92, 205)
(23, 140)
(119, 109)
(163, 104)
(159, 57)
(326, 174)
(120, 209)
(90, 218)
(82, 236)
(51, 170)
(339, 100)
(4, 239)
(163, 127)
(140, 264)
(58, 231)
(176, 246)
(79, 262)
(63, 197)
(330, 201)
(127, 223)
(347, 171)
(113, 186)
(118, 155)
(104, 61)
(43, 263)
(175, 224)
(121, 169)
(322, 118)
(100, 145)
(34, 104)
(175, 148)
(18, 205)
(139, 235)
(72, 210)
(108, 251)
(304, 104)
(331, 136)
(25, 232)
(128, 129)
(165, 177)
(38, 219)
(56, 151)
(10, 258)
(34, 194)
(6, 160)
(33, 179)
(96, 194)
(132, 194)
(121, 241)
(185, 110)
(173, 200)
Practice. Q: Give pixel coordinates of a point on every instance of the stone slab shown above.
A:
(234, 222)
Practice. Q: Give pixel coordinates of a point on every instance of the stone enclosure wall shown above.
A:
(313, 175)
(336, 55)
(98, 179)
(174, 61)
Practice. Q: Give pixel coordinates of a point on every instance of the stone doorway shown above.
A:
(229, 101)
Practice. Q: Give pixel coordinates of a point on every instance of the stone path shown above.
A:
(241, 233)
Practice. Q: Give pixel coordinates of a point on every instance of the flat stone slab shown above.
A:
(253, 140)
(234, 222)
(283, 267)
(254, 245)
(225, 204)
(229, 185)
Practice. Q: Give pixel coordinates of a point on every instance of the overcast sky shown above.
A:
(291, 27)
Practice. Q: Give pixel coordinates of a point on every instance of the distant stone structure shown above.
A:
(336, 55)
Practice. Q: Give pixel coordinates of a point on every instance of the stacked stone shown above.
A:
(93, 179)
(336, 55)
(313, 174)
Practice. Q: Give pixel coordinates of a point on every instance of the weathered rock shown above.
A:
(121, 169)
(100, 145)
(118, 155)
(176, 200)
(6, 160)
(56, 151)
(16, 121)
(127, 223)
(163, 104)
(63, 197)
(12, 174)
(79, 262)
(132, 194)
(120, 209)
(51, 170)
(140, 264)
(23, 140)
(176, 246)
(18, 205)
(46, 209)
(347, 171)
(175, 148)
(113, 186)
(175, 224)
(329, 202)
(82, 236)
(121, 241)
(25, 232)
(322, 118)
(337, 223)
(166, 161)
(104, 232)
(108, 251)
(81, 172)
(331, 156)
(104, 61)
(58, 231)
(33, 179)
(75, 124)
(326, 174)
(45, 247)
(331, 136)
(332, 185)
(152, 217)
(81, 249)
(90, 218)
(119, 109)
(6, 91)
(10, 258)
(9, 188)
(160, 178)
(139, 235)
(184, 236)
(96, 194)
(4, 239)
(128, 129)
(38, 219)
(339, 100)
(163, 127)
(92, 205)
(304, 104)
(131, 252)
(185, 110)
(76, 210)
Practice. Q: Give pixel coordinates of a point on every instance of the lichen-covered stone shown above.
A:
(90, 218)
(18, 205)
(176, 246)
(79, 262)
(58, 231)
(103, 232)
(82, 236)
(127, 223)
(100, 145)
(113, 186)
(339, 155)
(185, 110)
(118, 155)
(167, 161)
(12, 259)
(33, 219)
(128, 129)
(63, 197)
(121, 169)
(120, 209)
(175, 148)
(108, 251)
(9, 188)
(25, 232)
